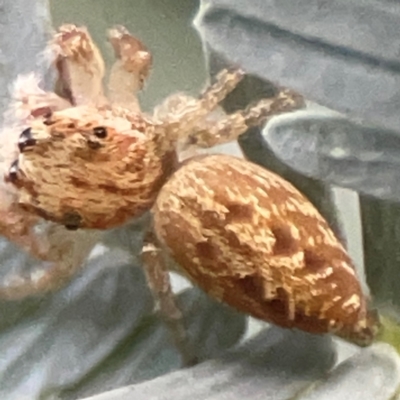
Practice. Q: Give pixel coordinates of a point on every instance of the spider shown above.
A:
(78, 162)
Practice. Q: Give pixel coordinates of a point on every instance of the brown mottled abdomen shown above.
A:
(250, 239)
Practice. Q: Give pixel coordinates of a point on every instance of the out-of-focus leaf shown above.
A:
(373, 374)
(21, 40)
(148, 352)
(100, 333)
(54, 341)
(336, 150)
(339, 53)
(278, 365)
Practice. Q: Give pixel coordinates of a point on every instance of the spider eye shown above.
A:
(100, 132)
(13, 172)
(94, 145)
(72, 220)
(26, 140)
(47, 118)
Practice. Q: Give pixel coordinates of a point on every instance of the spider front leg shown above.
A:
(79, 64)
(159, 282)
(210, 133)
(130, 70)
(62, 252)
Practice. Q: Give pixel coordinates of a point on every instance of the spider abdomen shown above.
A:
(250, 239)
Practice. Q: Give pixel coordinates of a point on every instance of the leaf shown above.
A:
(278, 365)
(341, 54)
(331, 148)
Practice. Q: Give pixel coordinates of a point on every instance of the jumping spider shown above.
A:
(89, 162)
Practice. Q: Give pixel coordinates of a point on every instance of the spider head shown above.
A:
(87, 167)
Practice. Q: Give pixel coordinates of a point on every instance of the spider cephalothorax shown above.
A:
(87, 167)
(84, 158)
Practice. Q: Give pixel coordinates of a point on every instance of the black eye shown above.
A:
(100, 132)
(48, 122)
(13, 172)
(94, 145)
(47, 117)
(72, 220)
(26, 140)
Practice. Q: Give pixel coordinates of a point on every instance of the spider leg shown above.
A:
(61, 251)
(79, 64)
(180, 114)
(80, 70)
(130, 70)
(228, 128)
(159, 282)
(225, 82)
